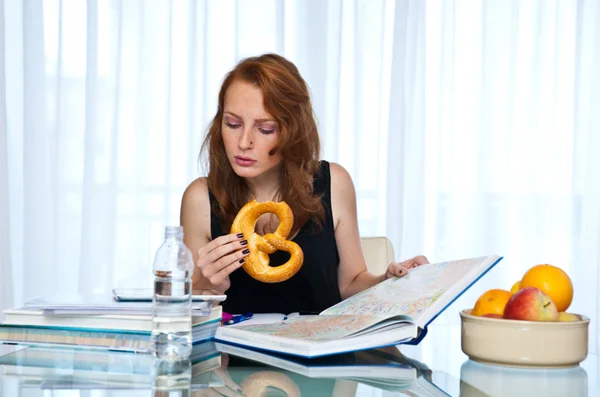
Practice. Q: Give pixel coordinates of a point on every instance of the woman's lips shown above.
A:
(244, 161)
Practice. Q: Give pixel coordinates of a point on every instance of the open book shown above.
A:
(392, 312)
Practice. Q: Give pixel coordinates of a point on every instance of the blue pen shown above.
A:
(240, 318)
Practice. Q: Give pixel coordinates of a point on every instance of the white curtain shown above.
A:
(507, 160)
(469, 127)
(109, 101)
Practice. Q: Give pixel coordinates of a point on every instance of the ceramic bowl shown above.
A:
(524, 343)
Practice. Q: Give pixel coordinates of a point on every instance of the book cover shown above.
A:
(363, 364)
(394, 311)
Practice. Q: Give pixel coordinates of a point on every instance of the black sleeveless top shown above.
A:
(313, 288)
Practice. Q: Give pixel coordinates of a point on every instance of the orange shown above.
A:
(492, 301)
(516, 287)
(553, 281)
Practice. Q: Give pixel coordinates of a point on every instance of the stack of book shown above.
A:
(121, 325)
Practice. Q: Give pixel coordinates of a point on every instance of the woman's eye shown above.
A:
(231, 125)
(266, 132)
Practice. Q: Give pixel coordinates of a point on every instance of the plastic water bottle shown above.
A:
(172, 302)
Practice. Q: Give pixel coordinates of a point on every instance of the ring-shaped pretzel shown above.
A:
(257, 262)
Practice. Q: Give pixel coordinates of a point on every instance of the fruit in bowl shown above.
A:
(492, 315)
(564, 316)
(516, 286)
(530, 304)
(543, 294)
(491, 302)
(553, 281)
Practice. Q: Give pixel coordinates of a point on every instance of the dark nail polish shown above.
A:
(244, 242)
(240, 235)
(240, 391)
(242, 260)
(246, 251)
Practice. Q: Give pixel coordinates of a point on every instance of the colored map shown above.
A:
(414, 293)
(414, 298)
(318, 328)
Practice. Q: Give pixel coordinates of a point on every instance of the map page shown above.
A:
(416, 292)
(322, 328)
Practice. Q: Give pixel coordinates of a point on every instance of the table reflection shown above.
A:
(478, 379)
(222, 370)
(366, 373)
(36, 371)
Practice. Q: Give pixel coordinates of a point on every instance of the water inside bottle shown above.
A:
(172, 377)
(171, 332)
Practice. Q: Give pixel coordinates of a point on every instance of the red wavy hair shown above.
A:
(287, 99)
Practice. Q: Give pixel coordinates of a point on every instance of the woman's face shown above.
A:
(249, 132)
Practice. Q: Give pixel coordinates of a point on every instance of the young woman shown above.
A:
(263, 144)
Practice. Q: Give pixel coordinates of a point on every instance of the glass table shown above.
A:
(436, 367)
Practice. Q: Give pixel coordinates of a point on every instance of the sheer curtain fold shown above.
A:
(39, 238)
(6, 290)
(405, 163)
(586, 165)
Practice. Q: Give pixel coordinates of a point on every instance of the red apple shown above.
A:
(530, 304)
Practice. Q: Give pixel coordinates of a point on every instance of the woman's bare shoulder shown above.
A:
(343, 195)
(195, 205)
(196, 194)
(341, 181)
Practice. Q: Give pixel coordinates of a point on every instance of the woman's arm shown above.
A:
(214, 259)
(195, 219)
(353, 276)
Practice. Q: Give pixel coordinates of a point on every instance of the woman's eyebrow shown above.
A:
(232, 114)
(257, 120)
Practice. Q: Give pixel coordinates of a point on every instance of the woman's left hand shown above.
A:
(401, 269)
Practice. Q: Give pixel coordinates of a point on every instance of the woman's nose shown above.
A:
(245, 141)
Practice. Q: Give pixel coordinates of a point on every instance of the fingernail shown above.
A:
(244, 242)
(246, 251)
(240, 391)
(240, 235)
(242, 260)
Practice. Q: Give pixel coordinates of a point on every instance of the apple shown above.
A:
(530, 304)
(564, 316)
(492, 315)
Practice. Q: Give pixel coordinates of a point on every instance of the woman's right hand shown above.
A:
(219, 258)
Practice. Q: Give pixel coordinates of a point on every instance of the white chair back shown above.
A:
(378, 252)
